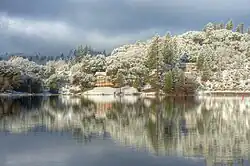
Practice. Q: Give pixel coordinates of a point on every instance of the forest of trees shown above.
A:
(167, 75)
(158, 62)
(42, 59)
(240, 28)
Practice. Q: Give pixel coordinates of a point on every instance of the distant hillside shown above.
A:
(221, 56)
(42, 59)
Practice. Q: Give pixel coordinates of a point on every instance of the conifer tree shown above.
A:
(80, 51)
(200, 61)
(240, 28)
(168, 50)
(85, 50)
(153, 62)
(104, 53)
(120, 79)
(209, 27)
(205, 71)
(221, 25)
(153, 54)
(168, 82)
(175, 76)
(136, 83)
(229, 25)
(181, 80)
(62, 56)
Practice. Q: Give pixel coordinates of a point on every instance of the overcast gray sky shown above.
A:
(51, 26)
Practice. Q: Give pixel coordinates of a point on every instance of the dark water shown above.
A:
(107, 131)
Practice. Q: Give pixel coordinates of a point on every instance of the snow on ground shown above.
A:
(101, 91)
(111, 91)
(128, 90)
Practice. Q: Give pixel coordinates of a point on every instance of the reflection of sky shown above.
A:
(56, 149)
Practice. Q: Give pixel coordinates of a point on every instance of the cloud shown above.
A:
(32, 28)
(60, 32)
(59, 25)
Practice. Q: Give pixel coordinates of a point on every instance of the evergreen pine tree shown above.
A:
(136, 83)
(120, 79)
(57, 58)
(221, 25)
(180, 84)
(168, 50)
(229, 25)
(62, 56)
(168, 82)
(209, 27)
(200, 61)
(104, 53)
(240, 28)
(205, 71)
(80, 52)
(175, 78)
(154, 81)
(85, 50)
(89, 50)
(153, 62)
(37, 58)
(153, 54)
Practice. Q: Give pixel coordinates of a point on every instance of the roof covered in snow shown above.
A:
(100, 74)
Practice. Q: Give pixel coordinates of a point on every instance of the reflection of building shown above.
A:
(102, 79)
(103, 106)
(102, 109)
(216, 129)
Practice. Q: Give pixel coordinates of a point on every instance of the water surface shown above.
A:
(108, 131)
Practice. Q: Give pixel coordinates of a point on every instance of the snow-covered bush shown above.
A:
(82, 79)
(128, 61)
(27, 67)
(10, 77)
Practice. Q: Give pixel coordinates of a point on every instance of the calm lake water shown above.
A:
(108, 131)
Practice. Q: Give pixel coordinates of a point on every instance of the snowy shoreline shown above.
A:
(139, 94)
(215, 93)
(26, 94)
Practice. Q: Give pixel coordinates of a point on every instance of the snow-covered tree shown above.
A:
(168, 50)
(240, 28)
(209, 27)
(168, 82)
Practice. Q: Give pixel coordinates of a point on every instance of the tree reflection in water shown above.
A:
(216, 129)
